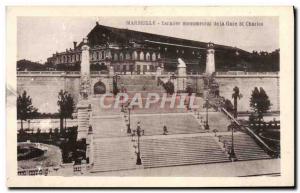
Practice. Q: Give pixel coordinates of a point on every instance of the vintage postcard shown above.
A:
(150, 96)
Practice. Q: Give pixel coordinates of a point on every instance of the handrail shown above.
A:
(249, 130)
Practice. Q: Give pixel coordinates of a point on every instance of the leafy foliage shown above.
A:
(228, 106)
(66, 105)
(236, 95)
(260, 102)
(169, 87)
(25, 109)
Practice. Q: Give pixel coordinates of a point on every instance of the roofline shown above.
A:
(194, 41)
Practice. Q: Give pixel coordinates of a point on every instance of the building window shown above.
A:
(153, 56)
(121, 57)
(148, 56)
(115, 56)
(134, 55)
(142, 56)
(151, 68)
(118, 68)
(127, 56)
(103, 54)
(97, 54)
(158, 55)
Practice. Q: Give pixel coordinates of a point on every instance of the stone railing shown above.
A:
(248, 74)
(169, 60)
(47, 73)
(266, 147)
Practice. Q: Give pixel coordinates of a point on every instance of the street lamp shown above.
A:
(232, 155)
(139, 132)
(128, 125)
(206, 122)
(115, 79)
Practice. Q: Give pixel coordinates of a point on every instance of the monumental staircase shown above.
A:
(112, 148)
(245, 147)
(138, 83)
(83, 118)
(112, 154)
(175, 123)
(176, 151)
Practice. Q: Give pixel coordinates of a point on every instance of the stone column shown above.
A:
(210, 59)
(158, 72)
(181, 84)
(85, 58)
(83, 106)
(111, 74)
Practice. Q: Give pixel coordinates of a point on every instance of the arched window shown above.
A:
(115, 56)
(134, 55)
(153, 56)
(94, 56)
(99, 88)
(127, 56)
(103, 54)
(148, 56)
(142, 56)
(158, 55)
(121, 57)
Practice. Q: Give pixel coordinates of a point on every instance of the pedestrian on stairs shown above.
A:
(165, 130)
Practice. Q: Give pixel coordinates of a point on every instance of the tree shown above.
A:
(66, 107)
(236, 95)
(169, 87)
(260, 102)
(228, 106)
(25, 109)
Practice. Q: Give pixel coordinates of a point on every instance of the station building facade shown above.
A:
(139, 52)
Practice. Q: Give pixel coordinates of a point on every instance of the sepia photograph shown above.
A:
(150, 96)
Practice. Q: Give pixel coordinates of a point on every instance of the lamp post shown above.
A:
(206, 122)
(232, 155)
(139, 133)
(128, 125)
(115, 79)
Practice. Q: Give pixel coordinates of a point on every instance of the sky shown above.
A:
(39, 37)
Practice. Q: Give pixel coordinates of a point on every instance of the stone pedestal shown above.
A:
(83, 118)
(210, 59)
